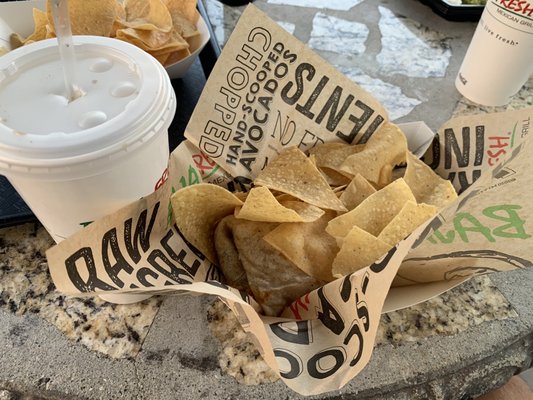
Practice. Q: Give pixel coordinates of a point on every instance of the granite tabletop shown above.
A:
(455, 346)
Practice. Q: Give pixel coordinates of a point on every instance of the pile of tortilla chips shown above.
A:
(164, 28)
(311, 219)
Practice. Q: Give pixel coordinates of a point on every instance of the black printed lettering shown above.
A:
(306, 108)
(284, 130)
(358, 122)
(271, 86)
(261, 36)
(435, 151)
(212, 143)
(303, 69)
(480, 145)
(141, 236)
(355, 330)
(346, 288)
(232, 99)
(314, 364)
(374, 125)
(167, 268)
(179, 258)
(464, 182)
(295, 363)
(249, 57)
(228, 116)
(451, 144)
(238, 78)
(278, 48)
(435, 224)
(300, 336)
(330, 107)
(362, 312)
(329, 316)
(281, 70)
(93, 282)
(290, 57)
(380, 266)
(142, 275)
(239, 184)
(110, 243)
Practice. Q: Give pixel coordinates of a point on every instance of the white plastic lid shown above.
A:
(128, 100)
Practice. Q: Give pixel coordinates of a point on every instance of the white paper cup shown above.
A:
(75, 162)
(499, 59)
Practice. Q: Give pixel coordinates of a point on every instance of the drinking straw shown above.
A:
(66, 47)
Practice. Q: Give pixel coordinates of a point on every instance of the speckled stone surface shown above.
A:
(458, 345)
(522, 99)
(26, 287)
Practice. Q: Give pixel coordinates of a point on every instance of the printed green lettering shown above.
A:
(514, 228)
(475, 226)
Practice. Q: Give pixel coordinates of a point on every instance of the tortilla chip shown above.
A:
(307, 245)
(426, 185)
(307, 212)
(410, 217)
(88, 17)
(40, 20)
(359, 249)
(333, 178)
(182, 8)
(162, 58)
(261, 205)
(50, 32)
(332, 155)
(120, 15)
(274, 280)
(15, 41)
(338, 190)
(197, 209)
(155, 42)
(177, 55)
(194, 40)
(398, 173)
(293, 173)
(375, 212)
(147, 15)
(241, 195)
(183, 26)
(358, 190)
(385, 176)
(145, 39)
(3, 50)
(284, 197)
(386, 147)
(228, 256)
(120, 11)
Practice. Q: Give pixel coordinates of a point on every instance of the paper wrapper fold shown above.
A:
(269, 92)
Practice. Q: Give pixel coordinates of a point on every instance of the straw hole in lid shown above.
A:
(101, 65)
(91, 119)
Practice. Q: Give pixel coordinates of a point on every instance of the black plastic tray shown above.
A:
(14, 211)
(465, 12)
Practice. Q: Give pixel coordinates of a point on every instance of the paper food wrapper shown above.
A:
(268, 92)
